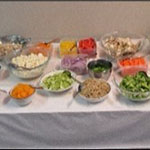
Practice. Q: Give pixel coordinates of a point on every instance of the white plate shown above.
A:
(52, 73)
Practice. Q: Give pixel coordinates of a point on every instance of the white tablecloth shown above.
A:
(58, 120)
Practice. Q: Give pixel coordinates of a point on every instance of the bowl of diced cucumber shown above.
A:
(57, 81)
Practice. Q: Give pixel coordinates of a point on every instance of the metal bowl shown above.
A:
(104, 74)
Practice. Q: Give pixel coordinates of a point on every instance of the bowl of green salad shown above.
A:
(135, 87)
(57, 81)
(100, 68)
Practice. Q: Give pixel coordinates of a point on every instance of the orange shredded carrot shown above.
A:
(22, 91)
(133, 62)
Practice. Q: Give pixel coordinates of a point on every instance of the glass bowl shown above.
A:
(130, 68)
(133, 96)
(27, 73)
(41, 46)
(68, 47)
(118, 54)
(77, 64)
(84, 44)
(14, 42)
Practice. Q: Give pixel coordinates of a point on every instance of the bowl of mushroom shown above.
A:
(120, 44)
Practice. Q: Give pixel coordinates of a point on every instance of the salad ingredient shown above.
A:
(93, 88)
(29, 61)
(100, 67)
(87, 46)
(76, 64)
(132, 62)
(58, 81)
(42, 48)
(137, 85)
(68, 47)
(120, 46)
(6, 48)
(131, 66)
(70, 75)
(43, 45)
(21, 91)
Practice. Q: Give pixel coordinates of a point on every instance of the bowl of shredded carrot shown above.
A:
(22, 94)
(130, 66)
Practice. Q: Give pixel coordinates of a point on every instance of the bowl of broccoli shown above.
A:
(135, 87)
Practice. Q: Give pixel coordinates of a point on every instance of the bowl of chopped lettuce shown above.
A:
(135, 87)
(57, 81)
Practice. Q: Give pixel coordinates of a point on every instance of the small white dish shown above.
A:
(22, 101)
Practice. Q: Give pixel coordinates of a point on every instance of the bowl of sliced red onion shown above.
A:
(76, 64)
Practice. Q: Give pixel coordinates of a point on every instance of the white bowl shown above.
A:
(22, 101)
(96, 100)
(52, 73)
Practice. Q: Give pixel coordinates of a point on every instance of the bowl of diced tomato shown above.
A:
(87, 46)
(130, 66)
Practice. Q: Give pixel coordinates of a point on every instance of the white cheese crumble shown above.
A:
(29, 61)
